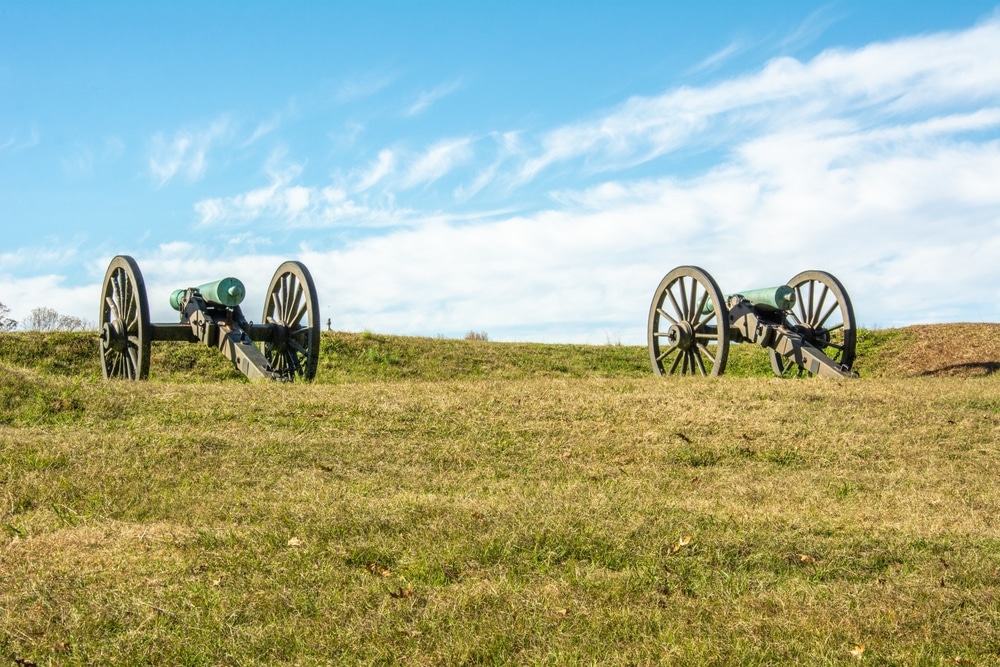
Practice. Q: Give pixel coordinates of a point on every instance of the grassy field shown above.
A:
(433, 501)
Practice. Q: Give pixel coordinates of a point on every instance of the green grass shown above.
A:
(363, 357)
(470, 502)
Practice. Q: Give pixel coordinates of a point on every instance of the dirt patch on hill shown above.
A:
(970, 350)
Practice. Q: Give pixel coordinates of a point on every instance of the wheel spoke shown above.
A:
(677, 359)
(133, 360)
(701, 305)
(800, 303)
(284, 297)
(701, 364)
(812, 289)
(297, 305)
(673, 300)
(131, 304)
(663, 355)
(293, 361)
(684, 314)
(833, 307)
(708, 318)
(819, 307)
(708, 354)
(113, 310)
(666, 315)
(297, 318)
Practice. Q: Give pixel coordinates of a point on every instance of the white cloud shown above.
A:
(290, 205)
(878, 164)
(362, 86)
(428, 98)
(382, 167)
(185, 153)
(922, 74)
(18, 142)
(716, 59)
(439, 159)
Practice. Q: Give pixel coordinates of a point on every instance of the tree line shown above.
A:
(44, 319)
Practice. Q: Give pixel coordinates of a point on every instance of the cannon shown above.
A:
(807, 325)
(288, 335)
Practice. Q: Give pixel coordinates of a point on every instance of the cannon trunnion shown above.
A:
(284, 346)
(807, 325)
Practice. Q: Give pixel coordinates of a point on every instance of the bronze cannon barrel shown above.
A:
(228, 292)
(781, 297)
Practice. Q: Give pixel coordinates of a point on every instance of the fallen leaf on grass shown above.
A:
(377, 569)
(857, 651)
(406, 592)
(682, 542)
(295, 542)
(562, 612)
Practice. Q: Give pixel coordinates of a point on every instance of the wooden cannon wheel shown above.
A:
(292, 309)
(683, 338)
(124, 329)
(823, 314)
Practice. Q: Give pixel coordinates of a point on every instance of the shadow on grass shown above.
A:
(983, 368)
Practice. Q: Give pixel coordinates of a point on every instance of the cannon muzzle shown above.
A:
(228, 292)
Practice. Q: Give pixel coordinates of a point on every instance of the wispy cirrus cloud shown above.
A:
(428, 98)
(883, 80)
(438, 160)
(719, 57)
(878, 164)
(811, 28)
(289, 204)
(185, 153)
(362, 86)
(18, 141)
(382, 167)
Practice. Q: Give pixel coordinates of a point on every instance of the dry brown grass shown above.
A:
(964, 350)
(543, 521)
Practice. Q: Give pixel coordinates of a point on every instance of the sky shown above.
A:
(526, 169)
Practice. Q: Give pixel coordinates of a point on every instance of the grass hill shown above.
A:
(453, 502)
(968, 350)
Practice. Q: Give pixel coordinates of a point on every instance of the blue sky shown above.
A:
(526, 169)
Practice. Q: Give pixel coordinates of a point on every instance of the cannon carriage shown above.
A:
(283, 347)
(807, 325)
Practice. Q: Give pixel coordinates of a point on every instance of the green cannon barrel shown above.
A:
(768, 298)
(227, 292)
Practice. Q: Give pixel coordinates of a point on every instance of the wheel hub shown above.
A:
(681, 335)
(114, 338)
